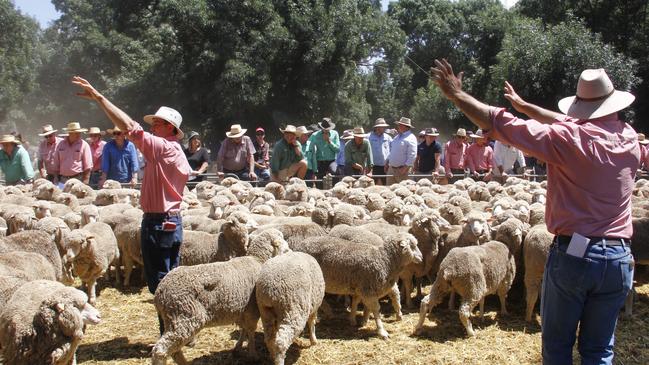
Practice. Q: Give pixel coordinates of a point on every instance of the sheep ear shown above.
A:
(59, 307)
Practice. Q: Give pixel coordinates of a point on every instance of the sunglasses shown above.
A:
(117, 133)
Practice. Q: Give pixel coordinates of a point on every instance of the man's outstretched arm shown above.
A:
(116, 115)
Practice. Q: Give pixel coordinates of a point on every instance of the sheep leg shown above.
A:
(128, 269)
(171, 343)
(92, 296)
(248, 325)
(424, 308)
(502, 295)
(407, 289)
(465, 312)
(419, 289)
(532, 294)
(482, 308)
(451, 300)
(269, 323)
(374, 307)
(396, 301)
(311, 325)
(353, 310)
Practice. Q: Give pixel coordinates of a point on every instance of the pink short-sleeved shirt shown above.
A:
(454, 155)
(73, 159)
(165, 173)
(644, 153)
(591, 168)
(46, 154)
(96, 149)
(479, 157)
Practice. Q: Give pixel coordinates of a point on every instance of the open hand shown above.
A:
(88, 92)
(510, 94)
(449, 83)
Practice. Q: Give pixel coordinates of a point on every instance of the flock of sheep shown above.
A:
(271, 253)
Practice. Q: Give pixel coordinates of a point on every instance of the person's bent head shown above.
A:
(9, 143)
(290, 134)
(431, 135)
(303, 134)
(235, 135)
(404, 125)
(165, 123)
(359, 135)
(479, 138)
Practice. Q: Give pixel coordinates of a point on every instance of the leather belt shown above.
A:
(606, 241)
(162, 215)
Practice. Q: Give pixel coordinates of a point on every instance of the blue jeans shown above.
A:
(160, 249)
(588, 291)
(262, 174)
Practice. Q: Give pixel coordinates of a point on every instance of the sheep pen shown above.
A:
(130, 327)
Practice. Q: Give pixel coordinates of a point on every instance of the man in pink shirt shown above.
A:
(592, 157)
(644, 151)
(72, 156)
(166, 173)
(96, 150)
(46, 149)
(479, 157)
(454, 155)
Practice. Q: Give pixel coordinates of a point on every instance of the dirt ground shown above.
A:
(130, 326)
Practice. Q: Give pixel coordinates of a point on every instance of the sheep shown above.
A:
(42, 209)
(296, 232)
(363, 271)
(289, 291)
(190, 298)
(364, 182)
(44, 323)
(296, 193)
(128, 238)
(26, 265)
(355, 234)
(202, 248)
(356, 197)
(22, 200)
(91, 250)
(536, 249)
(427, 228)
(89, 214)
(276, 189)
(452, 213)
(202, 223)
(375, 202)
(479, 193)
(81, 191)
(463, 202)
(537, 214)
(70, 183)
(474, 272)
(18, 217)
(113, 209)
(39, 242)
(117, 196)
(511, 232)
(111, 184)
(73, 220)
(8, 285)
(56, 228)
(396, 213)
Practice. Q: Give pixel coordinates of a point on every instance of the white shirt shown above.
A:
(506, 156)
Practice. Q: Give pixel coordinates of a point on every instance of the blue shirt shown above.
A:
(340, 158)
(403, 150)
(119, 164)
(380, 148)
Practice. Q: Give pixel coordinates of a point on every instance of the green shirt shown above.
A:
(309, 153)
(326, 151)
(361, 155)
(16, 167)
(284, 156)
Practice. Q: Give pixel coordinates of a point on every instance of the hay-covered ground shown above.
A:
(130, 326)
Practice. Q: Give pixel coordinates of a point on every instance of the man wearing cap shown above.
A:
(46, 149)
(505, 157)
(73, 157)
(308, 151)
(96, 150)
(119, 159)
(166, 173)
(287, 160)
(358, 154)
(14, 161)
(237, 155)
(454, 155)
(429, 153)
(403, 152)
(479, 157)
(380, 143)
(261, 156)
(327, 144)
(591, 158)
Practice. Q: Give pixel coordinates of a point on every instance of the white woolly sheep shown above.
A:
(42, 209)
(190, 298)
(128, 238)
(289, 291)
(25, 265)
(42, 243)
(474, 272)
(536, 248)
(44, 323)
(452, 213)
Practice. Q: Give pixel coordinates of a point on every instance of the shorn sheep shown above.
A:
(190, 298)
(289, 292)
(473, 272)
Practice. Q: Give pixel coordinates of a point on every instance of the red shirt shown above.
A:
(454, 153)
(479, 157)
(46, 154)
(73, 159)
(96, 149)
(591, 168)
(165, 173)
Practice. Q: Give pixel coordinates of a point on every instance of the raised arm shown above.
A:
(115, 114)
(533, 111)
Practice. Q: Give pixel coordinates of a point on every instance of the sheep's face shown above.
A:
(409, 249)
(75, 243)
(42, 210)
(478, 226)
(21, 221)
(280, 246)
(90, 314)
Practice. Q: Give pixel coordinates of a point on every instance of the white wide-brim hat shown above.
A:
(236, 131)
(9, 138)
(96, 130)
(380, 122)
(478, 134)
(359, 132)
(596, 97)
(642, 139)
(289, 129)
(405, 121)
(113, 130)
(301, 130)
(169, 115)
(74, 127)
(47, 130)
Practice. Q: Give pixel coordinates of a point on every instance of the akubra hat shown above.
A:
(477, 134)
(47, 130)
(596, 97)
(359, 132)
(380, 122)
(74, 127)
(169, 115)
(347, 135)
(236, 131)
(642, 139)
(9, 138)
(431, 132)
(113, 130)
(405, 121)
(302, 130)
(289, 129)
(326, 124)
(461, 132)
(95, 130)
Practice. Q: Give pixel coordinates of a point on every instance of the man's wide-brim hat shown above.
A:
(113, 130)
(596, 97)
(326, 124)
(302, 130)
(95, 130)
(642, 139)
(236, 131)
(289, 129)
(380, 122)
(170, 116)
(477, 134)
(461, 132)
(359, 132)
(74, 127)
(405, 121)
(47, 130)
(431, 132)
(9, 138)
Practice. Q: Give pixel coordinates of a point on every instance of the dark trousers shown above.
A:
(94, 178)
(379, 170)
(323, 168)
